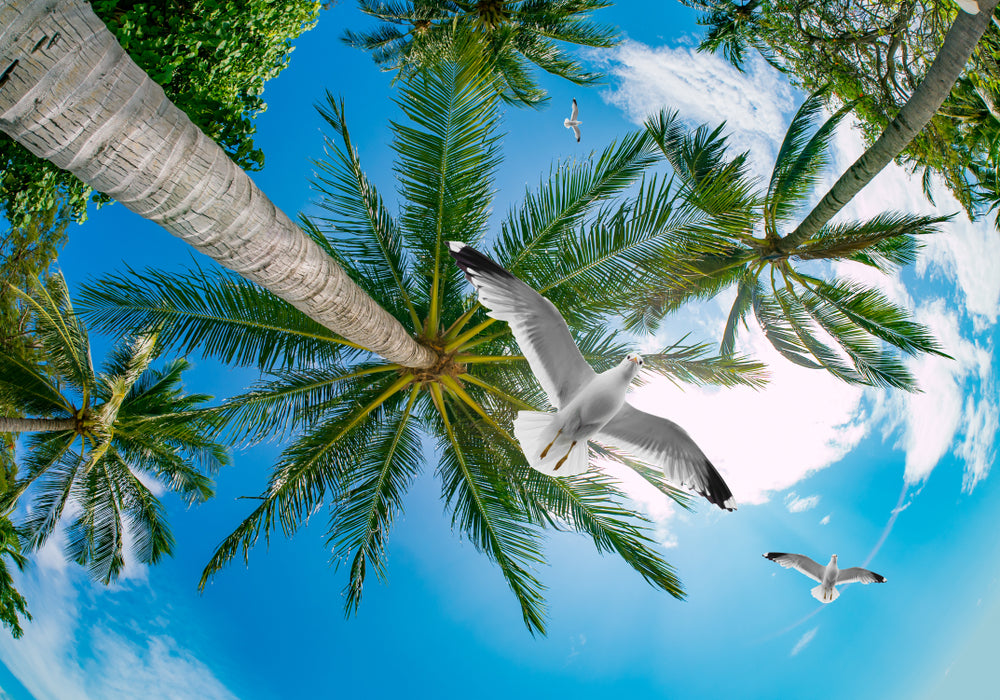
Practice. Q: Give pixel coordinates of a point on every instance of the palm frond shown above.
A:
(366, 233)
(364, 515)
(218, 315)
(800, 161)
(488, 516)
(561, 202)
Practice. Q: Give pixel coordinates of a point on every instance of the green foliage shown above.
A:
(505, 37)
(873, 54)
(107, 428)
(212, 58)
(355, 422)
(744, 242)
(13, 606)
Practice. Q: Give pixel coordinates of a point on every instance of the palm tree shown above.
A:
(937, 84)
(509, 36)
(71, 95)
(358, 422)
(98, 436)
(732, 27)
(798, 311)
(13, 606)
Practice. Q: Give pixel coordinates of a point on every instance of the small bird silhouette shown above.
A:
(574, 123)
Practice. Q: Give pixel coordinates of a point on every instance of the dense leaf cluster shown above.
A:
(873, 54)
(212, 58)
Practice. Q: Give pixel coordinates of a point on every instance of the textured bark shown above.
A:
(35, 425)
(70, 94)
(925, 101)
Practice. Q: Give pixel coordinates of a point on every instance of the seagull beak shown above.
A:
(634, 360)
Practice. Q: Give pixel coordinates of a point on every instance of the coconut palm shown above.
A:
(360, 426)
(98, 436)
(508, 36)
(746, 247)
(963, 35)
(72, 96)
(13, 606)
(732, 28)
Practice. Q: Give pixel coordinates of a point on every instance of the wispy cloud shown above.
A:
(825, 520)
(69, 651)
(804, 641)
(798, 504)
(703, 88)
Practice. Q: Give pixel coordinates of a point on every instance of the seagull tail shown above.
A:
(825, 597)
(538, 435)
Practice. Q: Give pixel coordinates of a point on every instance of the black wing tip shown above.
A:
(471, 260)
(717, 491)
(879, 578)
(773, 556)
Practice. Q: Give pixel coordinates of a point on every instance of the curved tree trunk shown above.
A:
(70, 94)
(933, 90)
(35, 425)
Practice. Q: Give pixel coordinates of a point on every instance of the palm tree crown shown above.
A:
(100, 435)
(749, 245)
(509, 36)
(357, 421)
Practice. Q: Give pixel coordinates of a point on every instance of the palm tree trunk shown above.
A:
(70, 94)
(962, 38)
(35, 425)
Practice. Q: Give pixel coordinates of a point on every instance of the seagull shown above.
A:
(970, 6)
(589, 405)
(573, 123)
(829, 576)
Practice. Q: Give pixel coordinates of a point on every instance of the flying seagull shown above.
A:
(589, 405)
(573, 123)
(970, 6)
(829, 576)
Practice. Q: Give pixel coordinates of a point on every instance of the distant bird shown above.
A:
(970, 6)
(828, 576)
(590, 405)
(573, 123)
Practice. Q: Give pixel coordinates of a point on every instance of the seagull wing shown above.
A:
(858, 575)
(538, 327)
(799, 562)
(575, 113)
(665, 444)
(576, 132)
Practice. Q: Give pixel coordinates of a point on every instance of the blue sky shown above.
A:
(902, 484)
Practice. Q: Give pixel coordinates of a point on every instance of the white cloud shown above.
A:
(982, 423)
(955, 392)
(804, 641)
(825, 520)
(798, 504)
(50, 659)
(703, 88)
(763, 441)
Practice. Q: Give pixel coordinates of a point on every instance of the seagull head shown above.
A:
(835, 557)
(633, 363)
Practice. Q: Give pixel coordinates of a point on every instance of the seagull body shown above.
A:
(573, 123)
(829, 577)
(970, 6)
(589, 405)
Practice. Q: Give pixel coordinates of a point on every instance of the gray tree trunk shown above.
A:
(925, 101)
(35, 425)
(71, 95)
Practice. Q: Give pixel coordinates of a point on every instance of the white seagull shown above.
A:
(829, 576)
(589, 405)
(573, 123)
(970, 6)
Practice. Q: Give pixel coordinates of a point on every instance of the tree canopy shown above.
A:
(874, 54)
(212, 58)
